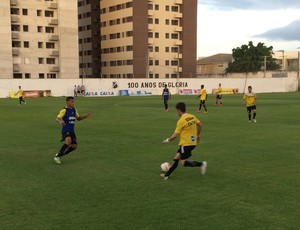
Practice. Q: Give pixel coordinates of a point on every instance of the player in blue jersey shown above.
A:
(166, 95)
(67, 118)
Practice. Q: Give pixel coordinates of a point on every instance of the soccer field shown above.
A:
(112, 180)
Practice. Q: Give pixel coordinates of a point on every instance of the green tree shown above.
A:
(250, 58)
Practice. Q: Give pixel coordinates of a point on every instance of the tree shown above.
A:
(250, 58)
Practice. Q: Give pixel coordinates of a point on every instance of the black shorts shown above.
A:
(202, 102)
(250, 108)
(219, 97)
(186, 151)
(72, 135)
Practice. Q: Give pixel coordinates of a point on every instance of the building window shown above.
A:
(129, 33)
(25, 28)
(167, 62)
(50, 45)
(51, 75)
(129, 48)
(167, 75)
(150, 62)
(150, 35)
(40, 45)
(26, 44)
(16, 44)
(27, 75)
(167, 8)
(156, 35)
(39, 13)
(150, 48)
(15, 11)
(175, 8)
(167, 49)
(151, 75)
(17, 75)
(50, 61)
(150, 20)
(156, 21)
(41, 75)
(41, 60)
(175, 22)
(49, 13)
(167, 22)
(156, 7)
(174, 36)
(156, 62)
(150, 6)
(156, 49)
(40, 29)
(157, 75)
(15, 27)
(24, 11)
(174, 63)
(174, 50)
(49, 29)
(167, 35)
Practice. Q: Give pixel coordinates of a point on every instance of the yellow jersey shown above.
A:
(187, 128)
(219, 91)
(20, 93)
(250, 99)
(203, 94)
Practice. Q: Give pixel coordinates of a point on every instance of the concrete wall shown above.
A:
(64, 87)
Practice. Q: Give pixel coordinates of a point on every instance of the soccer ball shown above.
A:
(165, 166)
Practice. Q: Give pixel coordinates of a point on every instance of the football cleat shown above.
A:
(57, 160)
(254, 121)
(162, 176)
(203, 168)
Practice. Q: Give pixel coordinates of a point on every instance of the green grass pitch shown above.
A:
(112, 180)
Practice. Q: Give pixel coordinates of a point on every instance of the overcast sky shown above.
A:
(227, 24)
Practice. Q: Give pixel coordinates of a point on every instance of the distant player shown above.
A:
(219, 96)
(67, 118)
(203, 98)
(75, 91)
(189, 129)
(250, 100)
(20, 94)
(166, 95)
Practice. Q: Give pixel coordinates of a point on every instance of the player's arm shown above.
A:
(88, 115)
(199, 129)
(60, 116)
(244, 99)
(171, 138)
(198, 96)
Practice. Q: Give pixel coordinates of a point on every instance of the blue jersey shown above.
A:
(166, 94)
(69, 116)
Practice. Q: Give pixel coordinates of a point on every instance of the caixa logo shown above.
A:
(99, 93)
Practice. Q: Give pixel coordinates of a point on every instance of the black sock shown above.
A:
(205, 108)
(254, 115)
(249, 116)
(173, 167)
(192, 164)
(65, 149)
(200, 106)
(68, 150)
(166, 106)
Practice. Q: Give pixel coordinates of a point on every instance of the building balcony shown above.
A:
(15, 35)
(178, 15)
(52, 6)
(55, 53)
(15, 52)
(150, 27)
(150, 13)
(13, 2)
(53, 22)
(14, 18)
(151, 55)
(178, 69)
(16, 68)
(178, 43)
(178, 29)
(178, 56)
(150, 41)
(54, 37)
(178, 2)
(54, 69)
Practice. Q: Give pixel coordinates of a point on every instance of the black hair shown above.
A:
(69, 98)
(181, 106)
(249, 87)
(202, 86)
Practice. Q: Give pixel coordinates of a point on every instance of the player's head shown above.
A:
(202, 86)
(220, 84)
(70, 101)
(165, 86)
(181, 108)
(19, 87)
(249, 88)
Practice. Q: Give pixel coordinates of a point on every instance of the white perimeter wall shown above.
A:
(64, 87)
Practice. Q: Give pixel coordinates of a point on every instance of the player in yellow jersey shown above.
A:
(20, 94)
(189, 129)
(219, 96)
(250, 100)
(203, 98)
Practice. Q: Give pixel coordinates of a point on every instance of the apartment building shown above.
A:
(39, 39)
(144, 38)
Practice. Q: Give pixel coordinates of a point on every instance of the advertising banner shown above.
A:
(31, 93)
(226, 91)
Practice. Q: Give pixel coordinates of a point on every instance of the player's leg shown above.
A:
(187, 153)
(200, 107)
(254, 113)
(166, 104)
(249, 113)
(217, 100)
(20, 100)
(204, 105)
(220, 99)
(173, 166)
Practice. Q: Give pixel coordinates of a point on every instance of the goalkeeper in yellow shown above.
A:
(189, 129)
(250, 100)
(203, 98)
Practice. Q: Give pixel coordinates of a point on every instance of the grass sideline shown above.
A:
(112, 180)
